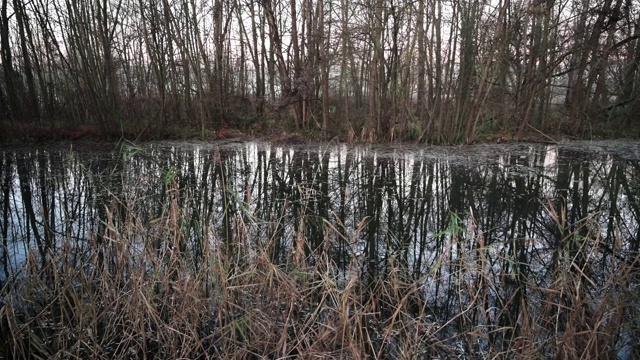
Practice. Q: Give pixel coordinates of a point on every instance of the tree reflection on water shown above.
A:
(491, 222)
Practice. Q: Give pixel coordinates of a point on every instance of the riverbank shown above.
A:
(34, 133)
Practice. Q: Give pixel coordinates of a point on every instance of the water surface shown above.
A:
(510, 211)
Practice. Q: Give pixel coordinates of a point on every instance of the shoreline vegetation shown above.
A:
(166, 285)
(34, 133)
(134, 292)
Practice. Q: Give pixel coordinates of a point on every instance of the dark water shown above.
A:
(402, 205)
(387, 202)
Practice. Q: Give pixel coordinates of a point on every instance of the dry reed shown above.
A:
(136, 291)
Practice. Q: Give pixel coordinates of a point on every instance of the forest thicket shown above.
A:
(435, 71)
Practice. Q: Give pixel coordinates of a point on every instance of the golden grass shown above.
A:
(135, 292)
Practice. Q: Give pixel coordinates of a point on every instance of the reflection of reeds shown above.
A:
(141, 293)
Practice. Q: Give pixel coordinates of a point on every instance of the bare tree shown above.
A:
(436, 71)
(12, 82)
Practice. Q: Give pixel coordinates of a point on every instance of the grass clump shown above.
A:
(137, 290)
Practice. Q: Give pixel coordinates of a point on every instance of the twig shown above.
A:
(543, 134)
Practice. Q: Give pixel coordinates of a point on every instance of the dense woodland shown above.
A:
(427, 70)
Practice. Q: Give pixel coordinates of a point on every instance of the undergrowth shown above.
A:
(138, 291)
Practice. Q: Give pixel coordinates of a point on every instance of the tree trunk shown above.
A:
(32, 112)
(11, 78)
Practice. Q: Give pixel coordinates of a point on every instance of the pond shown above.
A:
(487, 240)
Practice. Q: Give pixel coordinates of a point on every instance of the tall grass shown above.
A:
(137, 291)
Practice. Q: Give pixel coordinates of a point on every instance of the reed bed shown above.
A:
(138, 290)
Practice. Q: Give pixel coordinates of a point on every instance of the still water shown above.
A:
(398, 202)
(408, 206)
